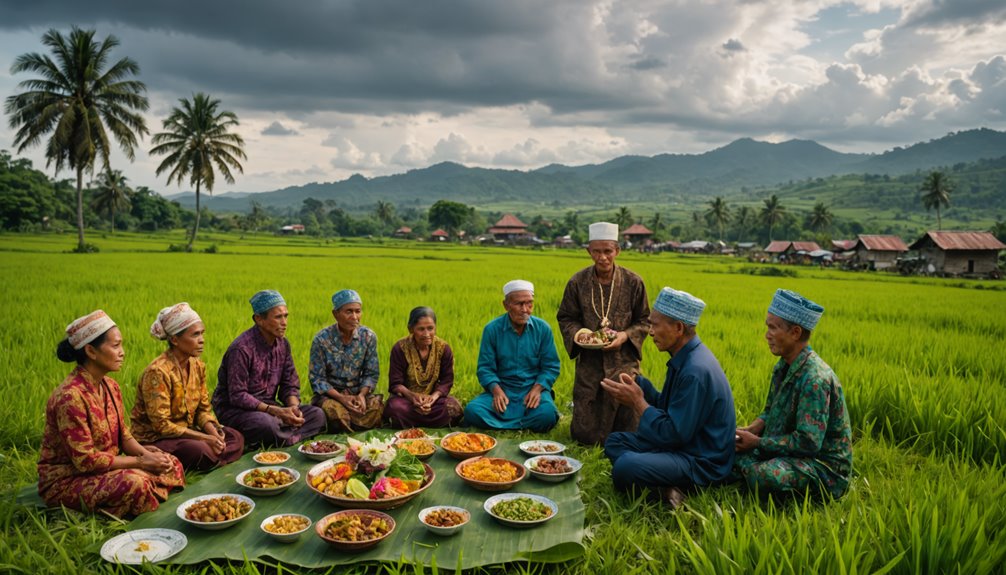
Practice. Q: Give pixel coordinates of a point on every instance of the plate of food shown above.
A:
(541, 447)
(271, 457)
(286, 527)
(490, 473)
(151, 545)
(355, 529)
(321, 449)
(268, 480)
(216, 510)
(588, 339)
(520, 509)
(423, 449)
(461, 445)
(444, 519)
(553, 468)
(412, 433)
(371, 475)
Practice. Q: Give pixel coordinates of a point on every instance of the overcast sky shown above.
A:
(326, 88)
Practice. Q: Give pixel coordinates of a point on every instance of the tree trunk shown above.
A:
(113, 216)
(195, 226)
(80, 208)
(939, 221)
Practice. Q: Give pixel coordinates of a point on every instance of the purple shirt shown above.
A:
(252, 372)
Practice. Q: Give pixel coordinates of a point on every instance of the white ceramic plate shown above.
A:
(492, 501)
(444, 530)
(552, 477)
(258, 458)
(527, 447)
(285, 537)
(267, 490)
(211, 526)
(320, 456)
(161, 544)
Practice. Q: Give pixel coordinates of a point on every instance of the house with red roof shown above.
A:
(509, 228)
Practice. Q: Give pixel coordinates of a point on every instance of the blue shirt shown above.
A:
(517, 362)
(346, 367)
(694, 413)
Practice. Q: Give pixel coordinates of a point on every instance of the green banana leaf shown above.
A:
(483, 541)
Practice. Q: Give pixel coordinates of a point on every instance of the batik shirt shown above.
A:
(805, 416)
(345, 367)
(168, 403)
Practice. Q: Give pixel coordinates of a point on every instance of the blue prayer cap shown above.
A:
(795, 308)
(342, 297)
(265, 300)
(679, 305)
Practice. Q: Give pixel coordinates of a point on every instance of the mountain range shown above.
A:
(742, 165)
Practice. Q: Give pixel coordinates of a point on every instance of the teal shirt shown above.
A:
(517, 362)
(806, 417)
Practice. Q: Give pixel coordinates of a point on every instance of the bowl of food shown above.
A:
(423, 449)
(589, 339)
(321, 449)
(552, 468)
(216, 510)
(490, 473)
(411, 433)
(354, 529)
(462, 445)
(286, 527)
(332, 480)
(444, 519)
(541, 447)
(520, 509)
(267, 480)
(271, 457)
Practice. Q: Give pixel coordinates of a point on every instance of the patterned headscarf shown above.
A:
(795, 308)
(265, 300)
(84, 330)
(342, 297)
(679, 305)
(173, 320)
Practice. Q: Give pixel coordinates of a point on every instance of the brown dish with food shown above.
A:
(355, 529)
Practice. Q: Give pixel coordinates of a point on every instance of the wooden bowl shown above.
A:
(491, 485)
(353, 546)
(351, 503)
(466, 454)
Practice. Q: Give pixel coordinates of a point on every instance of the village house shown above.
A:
(439, 235)
(637, 235)
(510, 229)
(960, 253)
(791, 252)
(403, 232)
(291, 230)
(878, 252)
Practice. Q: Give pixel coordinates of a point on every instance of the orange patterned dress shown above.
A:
(83, 434)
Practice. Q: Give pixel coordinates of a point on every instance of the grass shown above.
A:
(920, 360)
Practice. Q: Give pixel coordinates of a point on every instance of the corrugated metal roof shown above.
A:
(509, 221)
(961, 241)
(844, 245)
(806, 246)
(636, 230)
(882, 243)
(777, 246)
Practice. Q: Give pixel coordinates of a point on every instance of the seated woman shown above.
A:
(420, 377)
(172, 410)
(89, 460)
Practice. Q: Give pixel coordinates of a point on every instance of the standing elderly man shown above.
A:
(344, 368)
(258, 391)
(517, 366)
(610, 299)
(802, 440)
(686, 431)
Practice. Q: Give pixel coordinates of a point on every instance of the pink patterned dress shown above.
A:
(83, 434)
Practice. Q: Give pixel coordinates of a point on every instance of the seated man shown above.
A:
(517, 362)
(685, 433)
(344, 368)
(802, 440)
(256, 374)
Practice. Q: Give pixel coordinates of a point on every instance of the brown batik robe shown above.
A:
(595, 414)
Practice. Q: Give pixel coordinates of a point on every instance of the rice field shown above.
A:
(921, 360)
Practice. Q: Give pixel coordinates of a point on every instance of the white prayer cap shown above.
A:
(517, 285)
(603, 231)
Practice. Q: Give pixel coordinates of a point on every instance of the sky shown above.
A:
(325, 89)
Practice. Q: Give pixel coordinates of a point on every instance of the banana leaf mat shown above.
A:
(481, 542)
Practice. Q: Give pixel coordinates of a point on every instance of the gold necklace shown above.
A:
(605, 322)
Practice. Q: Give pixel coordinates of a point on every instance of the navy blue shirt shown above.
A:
(694, 413)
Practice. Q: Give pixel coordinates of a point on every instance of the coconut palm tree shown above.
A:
(772, 213)
(385, 212)
(80, 102)
(197, 137)
(111, 194)
(718, 213)
(937, 189)
(623, 218)
(657, 223)
(743, 219)
(820, 217)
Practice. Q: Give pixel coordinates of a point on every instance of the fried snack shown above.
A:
(287, 524)
(357, 528)
(445, 518)
(268, 478)
(217, 509)
(552, 465)
(322, 446)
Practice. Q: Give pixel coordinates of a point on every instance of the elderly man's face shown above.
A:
(348, 316)
(603, 252)
(519, 305)
(665, 331)
(273, 322)
(782, 337)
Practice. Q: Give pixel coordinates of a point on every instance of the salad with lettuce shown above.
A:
(371, 470)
